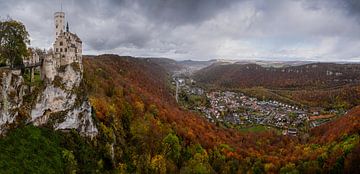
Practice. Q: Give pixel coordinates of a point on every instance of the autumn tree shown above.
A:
(13, 42)
(198, 162)
(69, 158)
(172, 147)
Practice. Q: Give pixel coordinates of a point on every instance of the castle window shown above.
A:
(60, 49)
(57, 49)
(61, 43)
(56, 33)
(56, 26)
(65, 49)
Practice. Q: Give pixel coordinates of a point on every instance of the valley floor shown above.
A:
(236, 109)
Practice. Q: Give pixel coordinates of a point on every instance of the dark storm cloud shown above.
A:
(349, 7)
(156, 13)
(353, 8)
(201, 29)
(183, 11)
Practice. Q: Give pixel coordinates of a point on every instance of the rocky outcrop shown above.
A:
(52, 99)
(61, 103)
(11, 98)
(80, 118)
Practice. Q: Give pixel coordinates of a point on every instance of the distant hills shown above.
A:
(308, 75)
(192, 66)
(183, 66)
(326, 85)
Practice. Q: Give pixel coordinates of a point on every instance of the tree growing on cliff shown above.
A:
(13, 43)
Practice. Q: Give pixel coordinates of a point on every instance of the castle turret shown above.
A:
(48, 70)
(67, 46)
(59, 18)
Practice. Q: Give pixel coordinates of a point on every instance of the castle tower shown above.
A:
(59, 19)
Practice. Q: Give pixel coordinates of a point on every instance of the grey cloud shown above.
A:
(353, 7)
(201, 29)
(349, 7)
(176, 12)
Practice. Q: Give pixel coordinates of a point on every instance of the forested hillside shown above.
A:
(317, 75)
(327, 85)
(143, 130)
(138, 114)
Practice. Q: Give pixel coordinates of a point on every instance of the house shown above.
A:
(292, 131)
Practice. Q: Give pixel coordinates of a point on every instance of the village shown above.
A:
(238, 109)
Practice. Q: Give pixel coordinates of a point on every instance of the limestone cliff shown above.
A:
(11, 98)
(60, 103)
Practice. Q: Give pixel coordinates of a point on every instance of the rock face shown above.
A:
(11, 98)
(53, 99)
(61, 104)
(80, 118)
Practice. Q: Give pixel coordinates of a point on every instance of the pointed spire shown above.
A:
(67, 26)
(61, 10)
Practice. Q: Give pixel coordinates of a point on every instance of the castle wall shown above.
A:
(48, 69)
(67, 49)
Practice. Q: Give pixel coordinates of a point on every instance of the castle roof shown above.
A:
(72, 36)
(77, 39)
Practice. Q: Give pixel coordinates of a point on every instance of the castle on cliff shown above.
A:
(62, 71)
(67, 49)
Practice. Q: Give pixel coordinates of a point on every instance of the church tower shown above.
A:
(59, 19)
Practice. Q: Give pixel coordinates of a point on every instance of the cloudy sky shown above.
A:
(321, 30)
